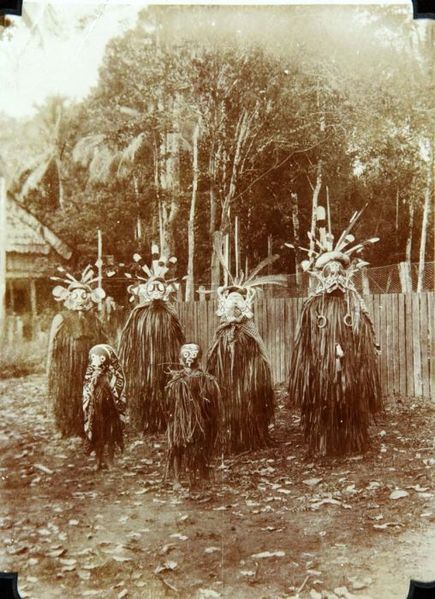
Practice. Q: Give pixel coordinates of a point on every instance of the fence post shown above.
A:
(201, 292)
(405, 277)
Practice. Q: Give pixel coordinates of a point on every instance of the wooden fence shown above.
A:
(404, 325)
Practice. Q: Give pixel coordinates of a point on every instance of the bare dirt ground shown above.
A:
(272, 524)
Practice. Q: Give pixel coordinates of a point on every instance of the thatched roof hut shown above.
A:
(32, 250)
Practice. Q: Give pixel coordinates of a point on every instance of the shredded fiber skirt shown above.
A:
(334, 376)
(69, 360)
(150, 345)
(194, 418)
(237, 359)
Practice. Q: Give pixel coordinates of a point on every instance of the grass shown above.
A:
(23, 358)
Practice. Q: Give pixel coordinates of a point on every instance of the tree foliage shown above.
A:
(347, 98)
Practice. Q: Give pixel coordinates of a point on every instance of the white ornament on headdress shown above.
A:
(236, 300)
(153, 286)
(333, 266)
(66, 293)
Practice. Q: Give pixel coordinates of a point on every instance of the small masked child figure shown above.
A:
(194, 412)
(104, 404)
(73, 332)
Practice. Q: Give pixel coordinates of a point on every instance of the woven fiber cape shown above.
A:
(68, 358)
(102, 416)
(150, 344)
(336, 404)
(238, 360)
(194, 418)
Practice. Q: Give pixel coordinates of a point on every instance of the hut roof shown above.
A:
(26, 234)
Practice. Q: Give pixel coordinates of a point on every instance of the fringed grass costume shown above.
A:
(73, 332)
(238, 359)
(194, 417)
(150, 343)
(333, 376)
(104, 403)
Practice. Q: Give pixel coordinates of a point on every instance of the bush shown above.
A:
(23, 358)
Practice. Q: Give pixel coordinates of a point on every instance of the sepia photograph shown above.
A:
(217, 353)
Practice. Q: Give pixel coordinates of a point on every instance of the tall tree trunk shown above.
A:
(241, 135)
(215, 272)
(425, 225)
(217, 240)
(408, 250)
(315, 202)
(191, 223)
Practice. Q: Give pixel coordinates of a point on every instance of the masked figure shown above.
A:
(333, 375)
(104, 403)
(73, 332)
(239, 361)
(194, 412)
(150, 343)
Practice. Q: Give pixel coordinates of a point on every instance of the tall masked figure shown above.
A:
(334, 376)
(150, 344)
(73, 332)
(239, 361)
(194, 416)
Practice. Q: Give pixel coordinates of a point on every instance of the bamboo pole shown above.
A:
(227, 258)
(100, 264)
(328, 210)
(236, 244)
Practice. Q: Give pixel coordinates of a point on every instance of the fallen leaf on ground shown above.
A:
(265, 554)
(43, 468)
(169, 565)
(398, 494)
(312, 482)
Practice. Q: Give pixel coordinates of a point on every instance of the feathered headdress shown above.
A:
(323, 250)
(246, 284)
(70, 283)
(160, 266)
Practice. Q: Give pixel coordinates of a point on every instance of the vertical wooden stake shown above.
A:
(328, 211)
(100, 264)
(33, 306)
(236, 245)
(227, 258)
